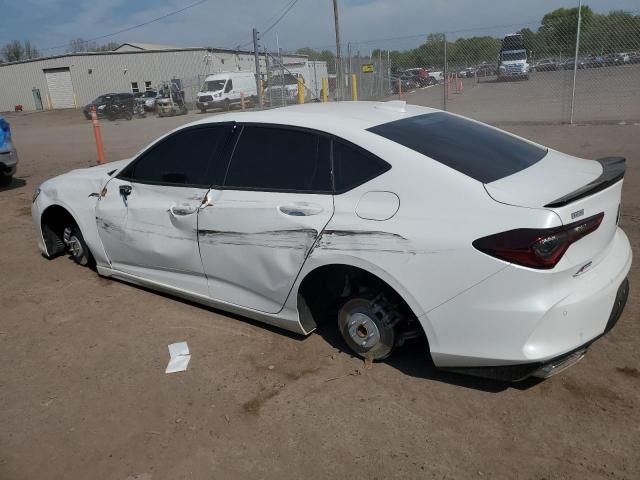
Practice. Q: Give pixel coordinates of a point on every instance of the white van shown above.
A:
(222, 90)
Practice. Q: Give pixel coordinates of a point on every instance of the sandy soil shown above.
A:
(83, 393)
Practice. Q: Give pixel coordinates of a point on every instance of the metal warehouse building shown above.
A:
(73, 80)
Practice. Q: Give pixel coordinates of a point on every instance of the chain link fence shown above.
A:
(571, 67)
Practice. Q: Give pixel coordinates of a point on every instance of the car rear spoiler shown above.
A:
(613, 169)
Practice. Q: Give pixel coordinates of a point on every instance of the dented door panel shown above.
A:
(253, 244)
(152, 233)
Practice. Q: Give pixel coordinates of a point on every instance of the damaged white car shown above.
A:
(391, 221)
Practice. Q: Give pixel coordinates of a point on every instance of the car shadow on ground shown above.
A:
(15, 183)
(412, 360)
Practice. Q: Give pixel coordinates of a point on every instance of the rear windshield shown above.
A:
(474, 149)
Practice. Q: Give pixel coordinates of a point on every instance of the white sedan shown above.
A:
(392, 221)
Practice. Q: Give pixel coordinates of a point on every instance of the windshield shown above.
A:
(150, 94)
(99, 100)
(508, 56)
(288, 80)
(213, 85)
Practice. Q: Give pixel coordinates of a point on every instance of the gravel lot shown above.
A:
(610, 94)
(83, 393)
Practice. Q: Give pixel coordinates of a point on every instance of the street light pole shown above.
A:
(339, 79)
(575, 61)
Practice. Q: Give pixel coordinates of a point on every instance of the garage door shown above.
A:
(60, 87)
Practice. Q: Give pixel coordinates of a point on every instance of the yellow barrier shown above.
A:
(325, 89)
(354, 87)
(300, 91)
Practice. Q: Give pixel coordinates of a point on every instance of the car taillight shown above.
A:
(537, 248)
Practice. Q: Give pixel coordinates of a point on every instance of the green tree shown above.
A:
(559, 28)
(13, 51)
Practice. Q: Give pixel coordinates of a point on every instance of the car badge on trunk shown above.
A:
(583, 268)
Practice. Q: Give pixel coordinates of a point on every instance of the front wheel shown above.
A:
(76, 246)
(368, 325)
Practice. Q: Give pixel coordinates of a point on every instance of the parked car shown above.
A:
(390, 221)
(125, 99)
(8, 154)
(469, 72)
(569, 63)
(148, 99)
(420, 76)
(634, 57)
(545, 65)
(405, 80)
(595, 61)
(486, 71)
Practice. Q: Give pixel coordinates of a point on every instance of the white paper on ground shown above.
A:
(180, 356)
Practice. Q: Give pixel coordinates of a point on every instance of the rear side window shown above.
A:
(471, 148)
(187, 158)
(278, 159)
(353, 166)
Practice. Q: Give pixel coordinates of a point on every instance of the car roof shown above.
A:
(332, 117)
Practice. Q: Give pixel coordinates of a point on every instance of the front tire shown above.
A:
(76, 246)
(368, 325)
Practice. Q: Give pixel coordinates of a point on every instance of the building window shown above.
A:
(147, 86)
(134, 87)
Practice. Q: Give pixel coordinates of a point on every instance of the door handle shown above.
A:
(300, 210)
(182, 210)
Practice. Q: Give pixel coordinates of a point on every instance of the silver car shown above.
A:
(8, 154)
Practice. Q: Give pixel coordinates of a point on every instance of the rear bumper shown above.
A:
(519, 316)
(549, 368)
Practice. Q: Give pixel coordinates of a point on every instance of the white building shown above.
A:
(73, 80)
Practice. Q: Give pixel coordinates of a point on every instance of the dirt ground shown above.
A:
(608, 95)
(83, 393)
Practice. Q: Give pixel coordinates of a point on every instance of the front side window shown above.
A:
(229, 86)
(213, 85)
(278, 159)
(190, 157)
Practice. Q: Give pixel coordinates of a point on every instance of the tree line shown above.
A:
(15, 50)
(616, 31)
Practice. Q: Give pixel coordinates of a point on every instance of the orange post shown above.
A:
(461, 88)
(242, 100)
(97, 134)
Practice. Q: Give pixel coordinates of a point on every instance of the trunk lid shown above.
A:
(573, 188)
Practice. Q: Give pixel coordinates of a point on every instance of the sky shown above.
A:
(392, 24)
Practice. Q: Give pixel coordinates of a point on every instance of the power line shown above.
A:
(286, 10)
(281, 17)
(128, 29)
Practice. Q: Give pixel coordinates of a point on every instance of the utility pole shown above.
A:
(256, 55)
(349, 71)
(268, 67)
(445, 73)
(284, 88)
(339, 78)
